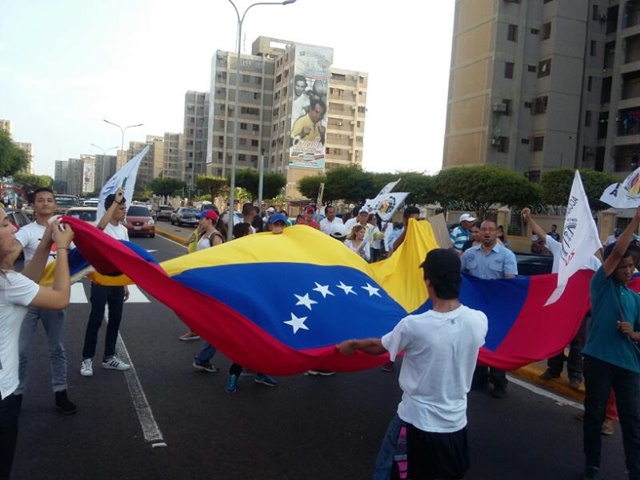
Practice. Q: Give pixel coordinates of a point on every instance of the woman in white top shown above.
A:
(355, 241)
(17, 292)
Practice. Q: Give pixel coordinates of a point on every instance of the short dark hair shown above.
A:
(631, 250)
(110, 199)
(318, 101)
(299, 78)
(40, 190)
(241, 229)
(442, 268)
(553, 225)
(410, 210)
(247, 208)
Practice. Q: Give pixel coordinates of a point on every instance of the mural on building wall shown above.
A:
(309, 106)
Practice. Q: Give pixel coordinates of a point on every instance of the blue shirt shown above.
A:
(604, 340)
(458, 236)
(497, 263)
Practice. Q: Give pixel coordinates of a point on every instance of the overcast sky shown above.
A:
(66, 65)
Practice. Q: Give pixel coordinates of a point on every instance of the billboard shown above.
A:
(309, 106)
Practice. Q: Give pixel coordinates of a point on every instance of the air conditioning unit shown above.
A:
(603, 17)
(495, 141)
(499, 107)
(339, 123)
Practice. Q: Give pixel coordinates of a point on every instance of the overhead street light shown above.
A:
(234, 157)
(122, 130)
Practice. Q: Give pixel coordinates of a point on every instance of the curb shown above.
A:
(171, 236)
(558, 385)
(530, 372)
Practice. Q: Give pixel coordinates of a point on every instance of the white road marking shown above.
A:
(150, 428)
(539, 391)
(79, 295)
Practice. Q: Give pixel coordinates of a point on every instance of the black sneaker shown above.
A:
(499, 392)
(549, 375)
(63, 403)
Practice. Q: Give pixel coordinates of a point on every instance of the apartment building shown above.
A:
(196, 119)
(543, 84)
(27, 148)
(5, 125)
(278, 84)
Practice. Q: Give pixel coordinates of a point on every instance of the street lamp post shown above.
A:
(104, 154)
(122, 130)
(234, 157)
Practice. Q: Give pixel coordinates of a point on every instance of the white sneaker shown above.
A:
(86, 367)
(114, 363)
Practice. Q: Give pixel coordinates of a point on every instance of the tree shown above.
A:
(273, 183)
(249, 180)
(556, 186)
(350, 184)
(166, 186)
(309, 186)
(211, 184)
(420, 187)
(12, 159)
(479, 187)
(31, 182)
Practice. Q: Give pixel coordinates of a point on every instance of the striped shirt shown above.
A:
(458, 237)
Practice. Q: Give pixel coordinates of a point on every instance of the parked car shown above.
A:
(17, 217)
(185, 216)
(139, 222)
(164, 212)
(88, 214)
(531, 264)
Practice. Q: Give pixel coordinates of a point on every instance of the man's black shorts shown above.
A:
(437, 455)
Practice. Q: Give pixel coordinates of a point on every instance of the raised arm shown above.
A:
(611, 263)
(535, 228)
(106, 218)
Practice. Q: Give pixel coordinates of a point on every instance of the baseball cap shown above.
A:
(271, 210)
(210, 214)
(441, 263)
(466, 217)
(278, 217)
(338, 231)
(309, 209)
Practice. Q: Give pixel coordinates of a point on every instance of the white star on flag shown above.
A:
(306, 301)
(372, 290)
(297, 323)
(346, 288)
(323, 289)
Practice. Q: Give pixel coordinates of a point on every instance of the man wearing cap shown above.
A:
(269, 212)
(329, 223)
(363, 219)
(440, 351)
(307, 218)
(461, 233)
(277, 223)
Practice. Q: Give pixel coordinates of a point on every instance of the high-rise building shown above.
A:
(196, 118)
(60, 176)
(295, 112)
(5, 125)
(27, 148)
(173, 156)
(75, 176)
(105, 167)
(538, 85)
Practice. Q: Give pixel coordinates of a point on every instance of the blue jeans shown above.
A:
(53, 323)
(384, 460)
(599, 378)
(207, 353)
(101, 296)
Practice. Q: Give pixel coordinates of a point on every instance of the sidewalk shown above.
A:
(531, 372)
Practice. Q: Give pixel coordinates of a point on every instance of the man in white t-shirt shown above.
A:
(574, 360)
(329, 222)
(115, 211)
(440, 352)
(29, 236)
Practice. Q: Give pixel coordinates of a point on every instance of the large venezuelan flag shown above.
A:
(279, 303)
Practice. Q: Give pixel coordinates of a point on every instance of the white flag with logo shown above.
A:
(580, 239)
(625, 194)
(125, 178)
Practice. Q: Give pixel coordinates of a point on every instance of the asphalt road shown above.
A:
(165, 420)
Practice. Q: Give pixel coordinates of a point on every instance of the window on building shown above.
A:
(512, 33)
(256, 127)
(593, 51)
(528, 104)
(254, 143)
(524, 141)
(243, 126)
(502, 144)
(587, 118)
(595, 12)
(532, 68)
(508, 69)
(589, 83)
(362, 110)
(242, 157)
(546, 31)
(539, 105)
(538, 143)
(246, 78)
(534, 31)
(544, 68)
